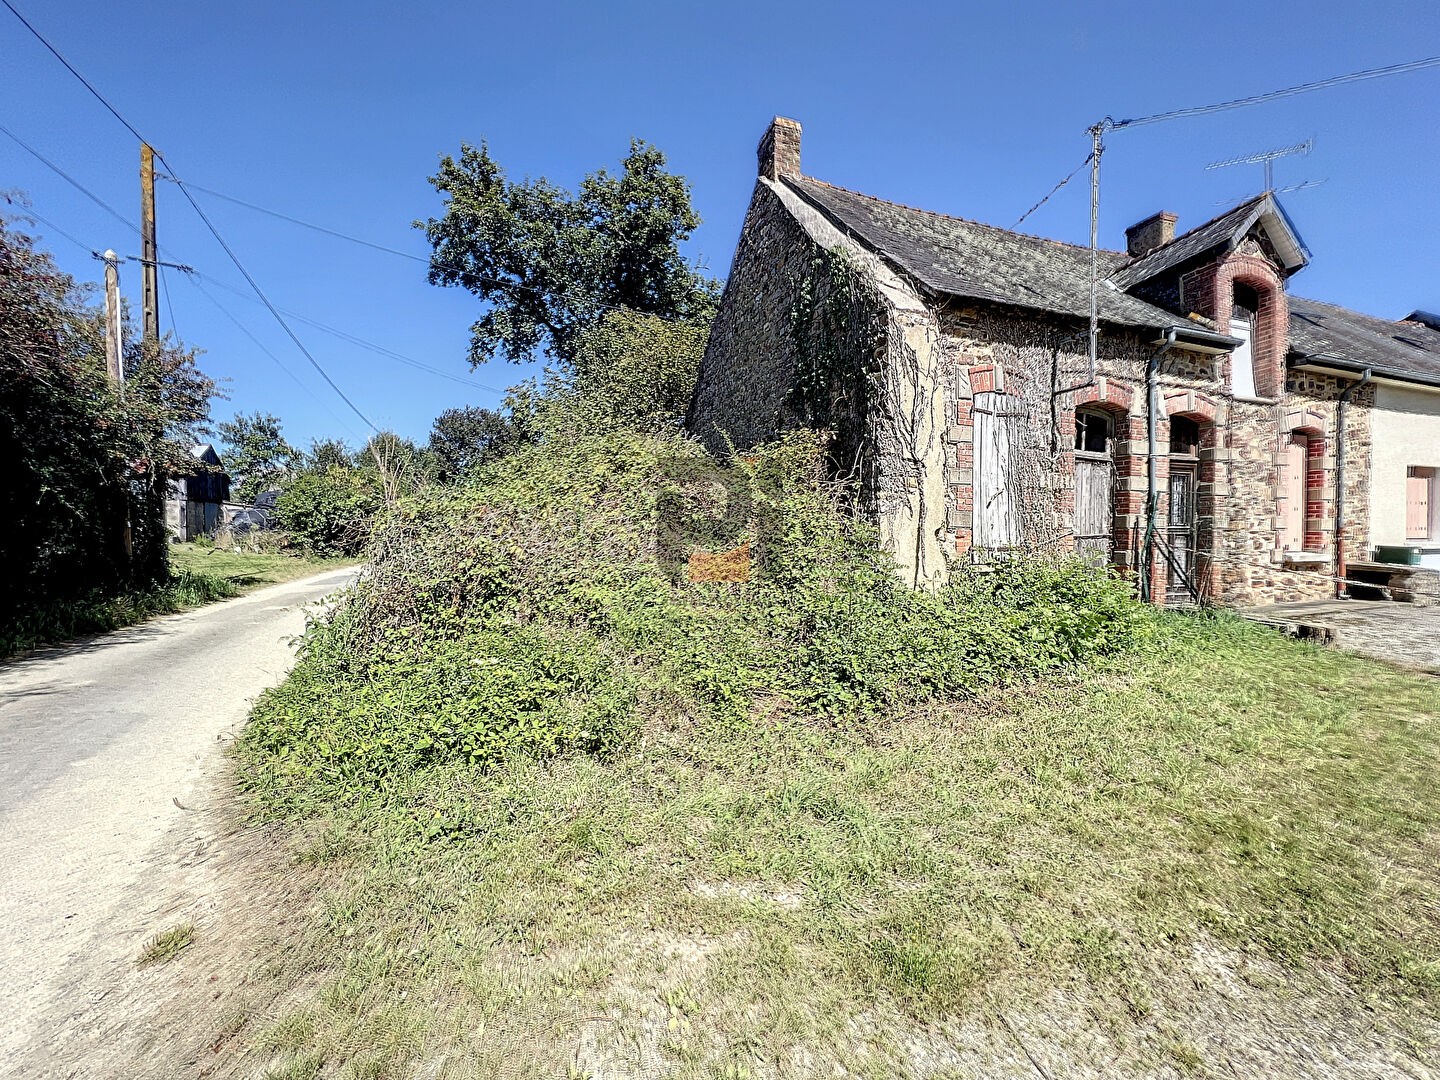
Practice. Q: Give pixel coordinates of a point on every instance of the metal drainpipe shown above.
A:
(1341, 415)
(1152, 484)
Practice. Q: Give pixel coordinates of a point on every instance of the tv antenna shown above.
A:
(1266, 158)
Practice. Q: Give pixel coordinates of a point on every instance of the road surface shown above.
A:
(110, 750)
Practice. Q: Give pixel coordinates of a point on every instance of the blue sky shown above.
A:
(336, 113)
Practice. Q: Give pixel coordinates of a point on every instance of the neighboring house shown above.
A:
(1220, 448)
(196, 504)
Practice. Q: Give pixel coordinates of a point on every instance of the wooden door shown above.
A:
(1094, 506)
(1417, 503)
(998, 424)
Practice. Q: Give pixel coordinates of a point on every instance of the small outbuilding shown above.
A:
(196, 503)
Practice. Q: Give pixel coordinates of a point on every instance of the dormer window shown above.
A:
(1244, 308)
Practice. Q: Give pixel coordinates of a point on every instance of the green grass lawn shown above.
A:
(797, 898)
(201, 575)
(247, 571)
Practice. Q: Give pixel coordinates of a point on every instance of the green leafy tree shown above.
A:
(550, 263)
(638, 370)
(86, 468)
(462, 440)
(324, 453)
(331, 511)
(256, 454)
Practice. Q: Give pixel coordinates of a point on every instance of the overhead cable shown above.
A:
(1289, 91)
(68, 178)
(1052, 191)
(229, 251)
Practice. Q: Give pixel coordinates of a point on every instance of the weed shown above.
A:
(166, 945)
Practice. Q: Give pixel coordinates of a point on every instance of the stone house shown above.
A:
(1220, 442)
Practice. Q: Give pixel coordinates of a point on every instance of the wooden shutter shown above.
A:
(998, 419)
(1417, 503)
(1297, 459)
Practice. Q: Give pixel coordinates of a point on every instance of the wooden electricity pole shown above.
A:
(149, 253)
(114, 346)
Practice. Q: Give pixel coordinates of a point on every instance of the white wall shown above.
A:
(1405, 431)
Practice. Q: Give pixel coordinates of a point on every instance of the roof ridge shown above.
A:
(953, 217)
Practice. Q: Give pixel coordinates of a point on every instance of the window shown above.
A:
(1419, 499)
(1242, 326)
(1184, 437)
(1092, 431)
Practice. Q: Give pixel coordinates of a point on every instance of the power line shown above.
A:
(1053, 190)
(30, 212)
(362, 342)
(499, 283)
(1289, 91)
(67, 177)
(268, 304)
(194, 280)
(203, 217)
(310, 224)
(84, 81)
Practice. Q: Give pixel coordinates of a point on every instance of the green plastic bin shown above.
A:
(1394, 553)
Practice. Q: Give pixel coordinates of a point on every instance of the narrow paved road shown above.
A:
(106, 746)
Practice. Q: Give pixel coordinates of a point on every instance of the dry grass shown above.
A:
(1218, 855)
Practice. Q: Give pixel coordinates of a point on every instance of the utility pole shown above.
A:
(114, 346)
(149, 253)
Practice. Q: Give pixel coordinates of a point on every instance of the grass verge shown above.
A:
(776, 899)
(200, 576)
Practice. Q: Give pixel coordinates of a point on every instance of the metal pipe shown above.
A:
(1152, 482)
(1341, 415)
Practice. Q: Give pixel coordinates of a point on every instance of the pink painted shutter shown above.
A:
(1292, 532)
(1417, 506)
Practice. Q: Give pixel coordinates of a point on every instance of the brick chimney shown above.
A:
(779, 150)
(1155, 231)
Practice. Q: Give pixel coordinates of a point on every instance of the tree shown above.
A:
(551, 263)
(330, 511)
(324, 453)
(256, 454)
(638, 370)
(85, 468)
(464, 439)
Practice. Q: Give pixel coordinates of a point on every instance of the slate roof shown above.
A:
(1397, 348)
(982, 262)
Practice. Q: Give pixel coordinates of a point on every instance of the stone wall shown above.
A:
(884, 410)
(743, 393)
(1239, 464)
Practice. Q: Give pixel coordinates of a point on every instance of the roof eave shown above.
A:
(1324, 361)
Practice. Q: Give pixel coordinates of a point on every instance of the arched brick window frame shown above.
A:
(1211, 290)
(1117, 401)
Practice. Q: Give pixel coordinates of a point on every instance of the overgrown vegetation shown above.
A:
(545, 607)
(576, 813)
(166, 945)
(86, 467)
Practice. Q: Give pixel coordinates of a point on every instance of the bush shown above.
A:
(330, 512)
(545, 607)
